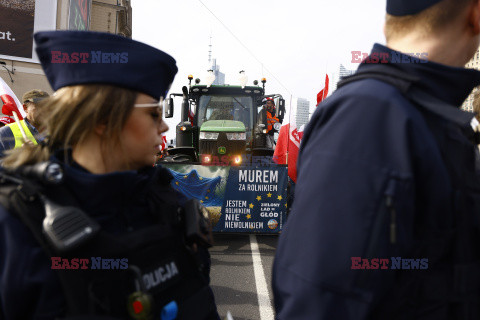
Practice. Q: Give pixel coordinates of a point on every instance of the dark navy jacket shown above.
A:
(364, 145)
(29, 289)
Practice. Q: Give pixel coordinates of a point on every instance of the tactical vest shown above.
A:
(159, 262)
(17, 134)
(458, 295)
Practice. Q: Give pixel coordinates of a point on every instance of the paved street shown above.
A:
(241, 275)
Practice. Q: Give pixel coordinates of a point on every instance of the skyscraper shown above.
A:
(219, 76)
(303, 108)
(336, 77)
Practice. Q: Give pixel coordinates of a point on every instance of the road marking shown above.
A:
(264, 303)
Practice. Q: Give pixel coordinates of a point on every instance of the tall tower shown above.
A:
(303, 108)
(210, 51)
(219, 76)
(212, 63)
(337, 76)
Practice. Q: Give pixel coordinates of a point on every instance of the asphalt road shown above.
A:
(241, 275)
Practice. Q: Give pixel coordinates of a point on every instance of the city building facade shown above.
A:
(302, 112)
(23, 72)
(337, 76)
(474, 63)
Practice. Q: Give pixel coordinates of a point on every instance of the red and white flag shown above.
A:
(288, 143)
(164, 143)
(324, 92)
(10, 101)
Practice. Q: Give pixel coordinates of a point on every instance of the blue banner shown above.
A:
(239, 199)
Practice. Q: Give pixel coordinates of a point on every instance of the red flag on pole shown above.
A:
(10, 101)
(164, 143)
(324, 92)
(288, 143)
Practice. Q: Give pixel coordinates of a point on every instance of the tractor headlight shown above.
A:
(208, 135)
(277, 126)
(206, 158)
(237, 136)
(237, 160)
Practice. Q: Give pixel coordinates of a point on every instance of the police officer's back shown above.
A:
(386, 171)
(87, 225)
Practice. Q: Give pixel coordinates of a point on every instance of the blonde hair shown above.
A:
(434, 19)
(71, 115)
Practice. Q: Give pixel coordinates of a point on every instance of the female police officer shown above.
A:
(108, 238)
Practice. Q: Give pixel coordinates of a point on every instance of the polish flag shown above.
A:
(164, 143)
(10, 101)
(288, 145)
(324, 92)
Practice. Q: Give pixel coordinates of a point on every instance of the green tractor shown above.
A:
(222, 124)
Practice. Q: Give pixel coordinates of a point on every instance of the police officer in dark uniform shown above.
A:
(385, 221)
(89, 229)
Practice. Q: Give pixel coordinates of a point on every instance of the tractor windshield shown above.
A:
(226, 108)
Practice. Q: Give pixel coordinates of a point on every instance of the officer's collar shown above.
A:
(102, 188)
(450, 84)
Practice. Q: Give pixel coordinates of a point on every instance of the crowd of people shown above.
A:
(389, 170)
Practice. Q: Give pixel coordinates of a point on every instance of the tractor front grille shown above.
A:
(212, 147)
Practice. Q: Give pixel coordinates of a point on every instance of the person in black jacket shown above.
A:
(385, 219)
(88, 226)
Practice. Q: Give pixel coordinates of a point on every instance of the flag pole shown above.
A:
(20, 126)
(289, 127)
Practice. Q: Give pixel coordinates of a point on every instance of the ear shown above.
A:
(100, 129)
(474, 17)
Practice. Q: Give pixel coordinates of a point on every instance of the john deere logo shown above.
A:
(222, 150)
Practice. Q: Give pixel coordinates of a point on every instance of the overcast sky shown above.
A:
(296, 41)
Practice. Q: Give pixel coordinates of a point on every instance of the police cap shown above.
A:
(85, 57)
(408, 7)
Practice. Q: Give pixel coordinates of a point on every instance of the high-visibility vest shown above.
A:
(18, 134)
(271, 120)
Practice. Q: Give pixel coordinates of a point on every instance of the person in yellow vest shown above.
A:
(11, 136)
